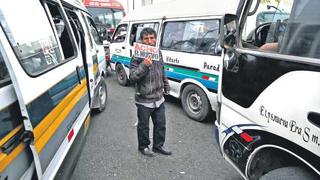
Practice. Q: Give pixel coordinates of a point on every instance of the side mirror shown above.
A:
(229, 40)
(229, 31)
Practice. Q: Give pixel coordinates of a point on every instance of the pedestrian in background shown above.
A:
(151, 83)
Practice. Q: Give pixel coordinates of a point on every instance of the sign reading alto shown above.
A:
(143, 51)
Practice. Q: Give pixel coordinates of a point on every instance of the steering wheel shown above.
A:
(261, 33)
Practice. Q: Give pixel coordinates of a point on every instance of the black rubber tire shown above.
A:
(292, 173)
(196, 93)
(121, 75)
(102, 96)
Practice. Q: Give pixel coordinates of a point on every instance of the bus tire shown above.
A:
(121, 75)
(292, 173)
(102, 96)
(195, 102)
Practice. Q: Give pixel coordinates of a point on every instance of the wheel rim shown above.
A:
(194, 102)
(120, 73)
(102, 95)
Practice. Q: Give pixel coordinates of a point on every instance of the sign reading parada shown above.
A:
(143, 51)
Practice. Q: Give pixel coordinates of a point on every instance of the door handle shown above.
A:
(78, 74)
(123, 47)
(314, 118)
(97, 50)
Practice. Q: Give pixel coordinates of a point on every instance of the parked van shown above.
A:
(49, 82)
(268, 123)
(188, 39)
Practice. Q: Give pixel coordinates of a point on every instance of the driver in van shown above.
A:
(151, 83)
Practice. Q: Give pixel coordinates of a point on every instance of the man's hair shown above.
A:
(146, 31)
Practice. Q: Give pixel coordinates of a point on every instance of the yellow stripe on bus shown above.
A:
(47, 127)
(12, 133)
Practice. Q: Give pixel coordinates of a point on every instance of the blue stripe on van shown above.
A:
(44, 104)
(121, 59)
(212, 86)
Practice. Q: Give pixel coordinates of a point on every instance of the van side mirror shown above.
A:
(229, 40)
(229, 31)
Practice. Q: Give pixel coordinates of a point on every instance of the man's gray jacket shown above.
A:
(150, 81)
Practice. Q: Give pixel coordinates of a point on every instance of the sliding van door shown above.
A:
(48, 76)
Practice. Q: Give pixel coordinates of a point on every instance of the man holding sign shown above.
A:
(147, 72)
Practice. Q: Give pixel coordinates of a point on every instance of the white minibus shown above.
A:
(188, 33)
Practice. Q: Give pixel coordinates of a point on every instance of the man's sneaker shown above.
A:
(161, 150)
(146, 151)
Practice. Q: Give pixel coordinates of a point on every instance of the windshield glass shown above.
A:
(106, 16)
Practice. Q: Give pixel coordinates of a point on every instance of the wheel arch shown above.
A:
(188, 81)
(296, 154)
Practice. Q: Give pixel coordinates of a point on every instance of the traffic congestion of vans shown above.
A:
(253, 66)
(188, 38)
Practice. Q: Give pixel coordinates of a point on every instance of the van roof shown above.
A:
(183, 8)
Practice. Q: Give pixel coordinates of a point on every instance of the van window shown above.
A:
(30, 35)
(199, 36)
(120, 34)
(4, 74)
(137, 28)
(87, 32)
(94, 31)
(64, 34)
(288, 27)
(10, 116)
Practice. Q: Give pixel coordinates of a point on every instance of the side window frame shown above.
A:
(133, 39)
(84, 16)
(115, 33)
(95, 36)
(68, 28)
(185, 22)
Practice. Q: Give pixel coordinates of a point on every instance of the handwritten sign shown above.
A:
(143, 51)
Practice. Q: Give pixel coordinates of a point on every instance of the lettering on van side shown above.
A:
(304, 132)
(211, 67)
(172, 60)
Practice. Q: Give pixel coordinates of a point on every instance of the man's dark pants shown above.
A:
(159, 126)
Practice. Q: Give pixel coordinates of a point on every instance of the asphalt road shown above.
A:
(111, 151)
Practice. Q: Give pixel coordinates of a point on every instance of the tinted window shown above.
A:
(62, 31)
(10, 116)
(4, 74)
(290, 27)
(30, 35)
(120, 34)
(199, 36)
(94, 31)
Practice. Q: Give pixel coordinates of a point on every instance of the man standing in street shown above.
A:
(151, 83)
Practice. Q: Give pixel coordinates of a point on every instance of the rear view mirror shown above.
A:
(228, 31)
(228, 40)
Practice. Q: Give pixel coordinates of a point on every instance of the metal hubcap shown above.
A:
(194, 102)
(120, 74)
(102, 94)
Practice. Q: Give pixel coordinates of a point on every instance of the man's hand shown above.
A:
(147, 61)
